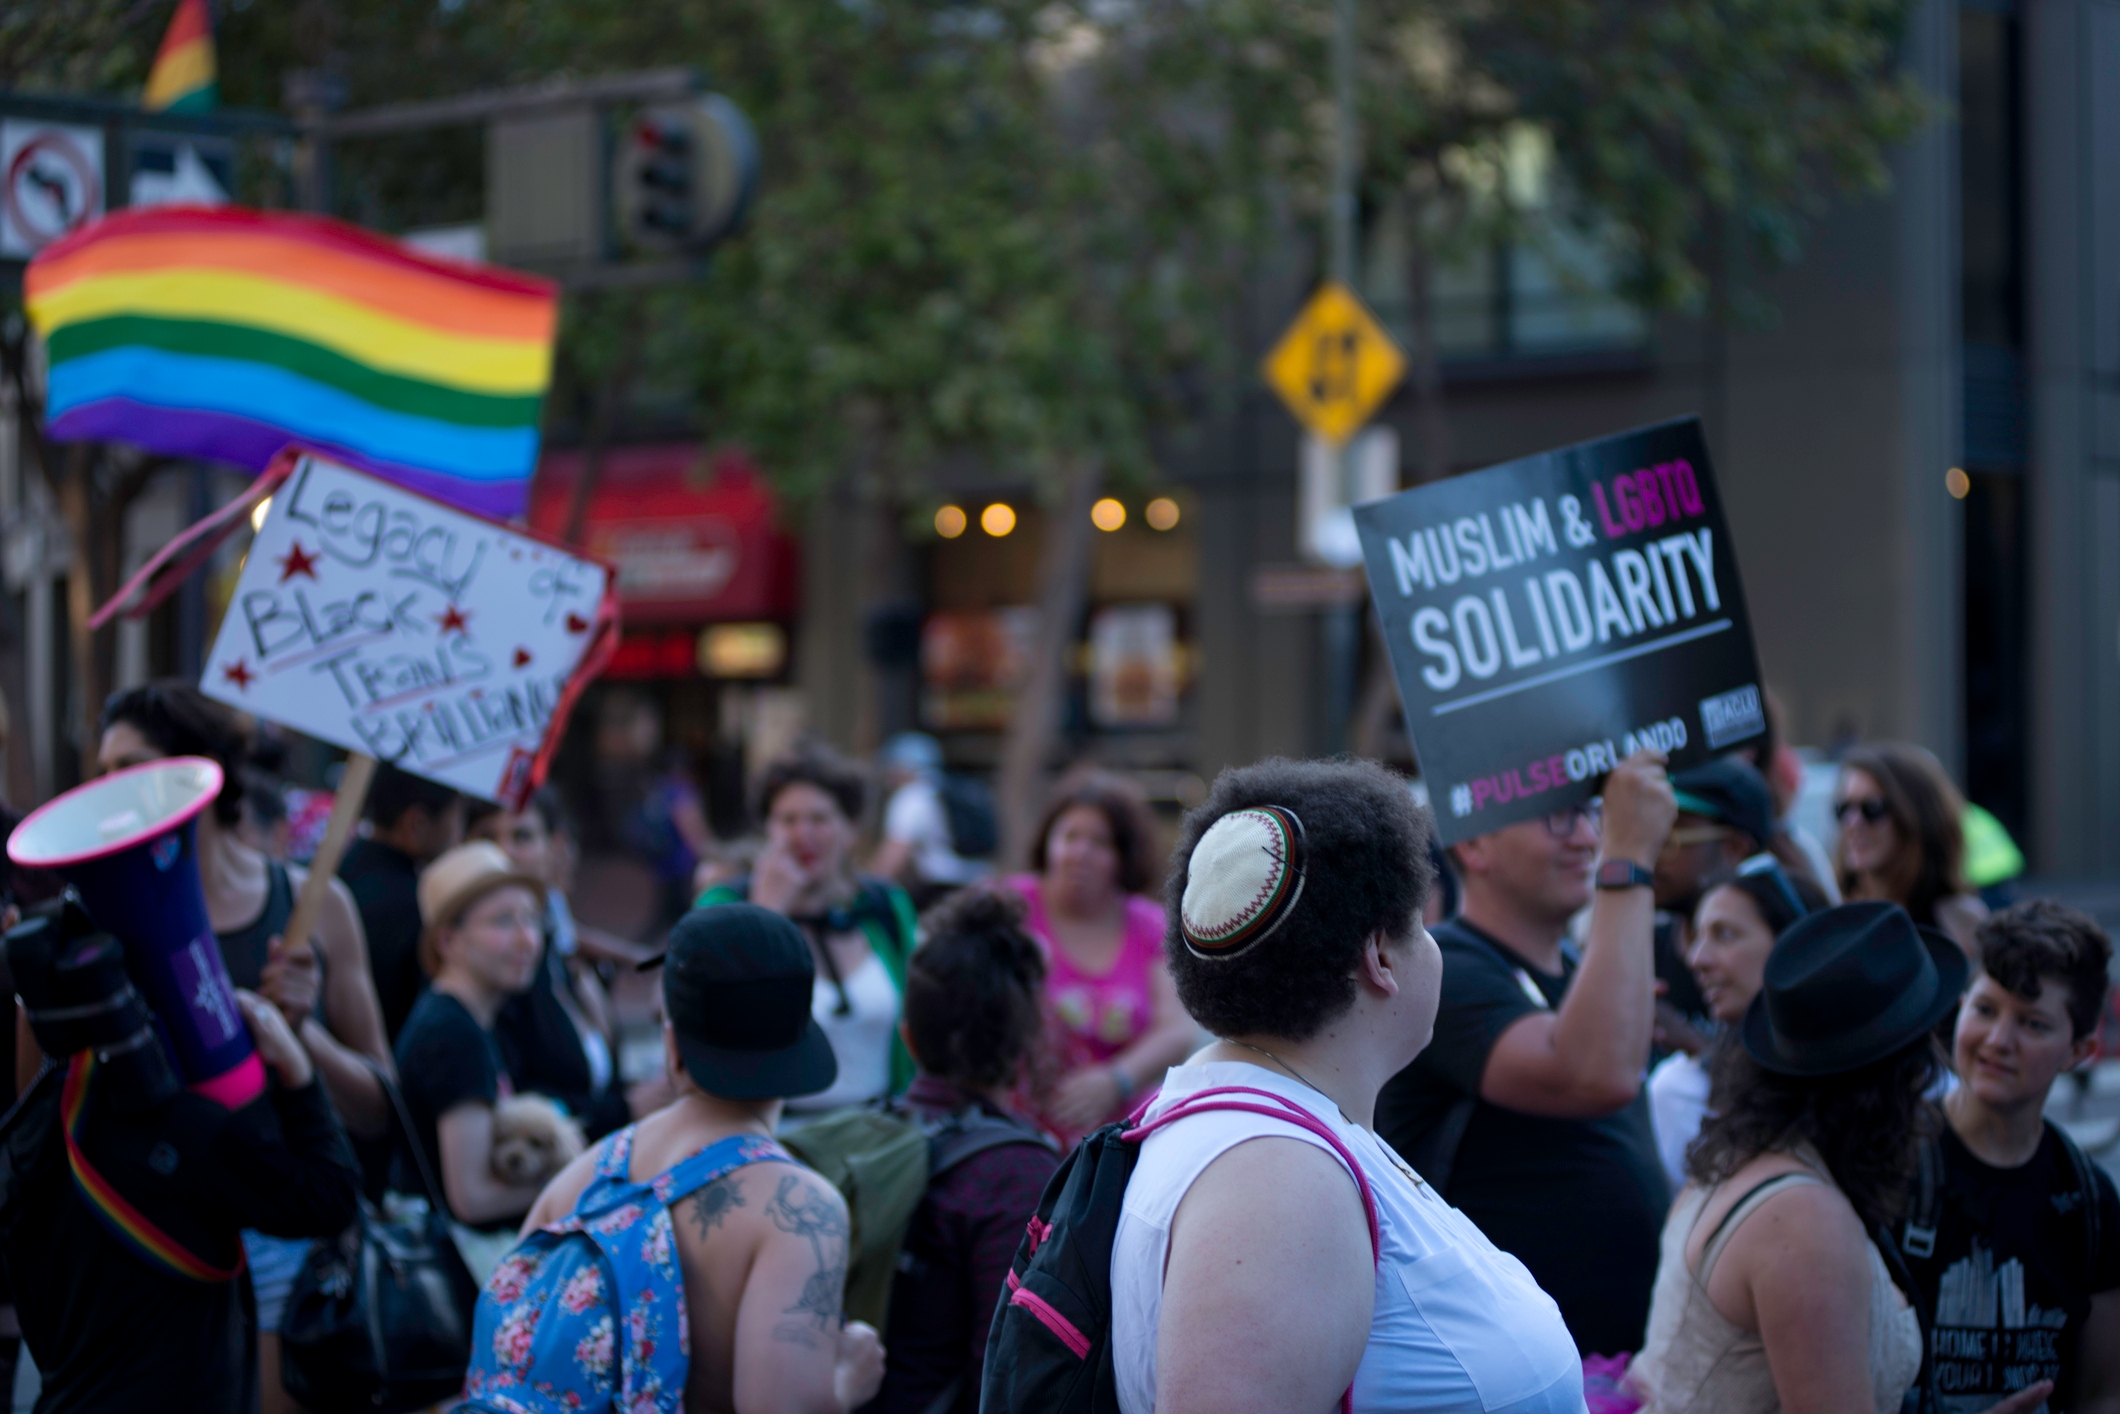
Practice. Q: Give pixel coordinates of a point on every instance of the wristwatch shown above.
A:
(1623, 874)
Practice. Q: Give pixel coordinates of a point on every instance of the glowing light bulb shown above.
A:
(1107, 514)
(1957, 483)
(950, 522)
(1161, 513)
(998, 519)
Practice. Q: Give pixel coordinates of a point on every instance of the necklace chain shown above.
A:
(1400, 1164)
(1297, 1074)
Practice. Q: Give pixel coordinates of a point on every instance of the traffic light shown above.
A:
(684, 175)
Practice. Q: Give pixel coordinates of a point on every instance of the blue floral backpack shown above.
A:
(589, 1313)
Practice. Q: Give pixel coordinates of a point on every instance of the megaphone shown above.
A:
(128, 843)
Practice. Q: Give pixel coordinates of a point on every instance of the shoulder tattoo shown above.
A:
(714, 1202)
(799, 1207)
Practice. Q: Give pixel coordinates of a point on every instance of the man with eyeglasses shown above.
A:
(1527, 1110)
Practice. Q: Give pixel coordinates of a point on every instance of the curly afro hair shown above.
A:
(972, 989)
(1368, 870)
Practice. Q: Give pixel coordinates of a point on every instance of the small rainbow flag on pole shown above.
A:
(183, 79)
(225, 333)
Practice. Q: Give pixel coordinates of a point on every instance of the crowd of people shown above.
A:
(1647, 1102)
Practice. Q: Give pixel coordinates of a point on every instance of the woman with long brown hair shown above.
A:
(1772, 1293)
(1901, 840)
(1115, 1023)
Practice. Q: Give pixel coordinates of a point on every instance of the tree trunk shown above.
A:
(1035, 725)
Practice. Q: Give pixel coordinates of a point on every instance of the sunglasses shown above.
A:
(1872, 809)
(1561, 823)
(1766, 866)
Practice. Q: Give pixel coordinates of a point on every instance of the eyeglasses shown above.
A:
(1561, 823)
(1872, 809)
(1766, 866)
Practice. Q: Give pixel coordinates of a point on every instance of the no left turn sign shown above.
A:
(53, 177)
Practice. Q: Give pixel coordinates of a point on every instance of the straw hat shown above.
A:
(456, 881)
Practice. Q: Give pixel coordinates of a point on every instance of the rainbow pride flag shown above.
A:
(184, 79)
(224, 333)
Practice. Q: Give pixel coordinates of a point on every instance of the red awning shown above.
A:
(693, 532)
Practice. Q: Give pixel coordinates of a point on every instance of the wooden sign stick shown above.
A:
(345, 814)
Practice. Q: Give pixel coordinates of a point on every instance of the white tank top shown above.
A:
(861, 1038)
(1459, 1325)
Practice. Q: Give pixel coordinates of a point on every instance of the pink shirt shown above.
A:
(1091, 1017)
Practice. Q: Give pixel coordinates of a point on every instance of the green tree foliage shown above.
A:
(1685, 127)
(1020, 230)
(1716, 126)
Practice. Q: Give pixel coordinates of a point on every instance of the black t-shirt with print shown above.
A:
(2011, 1278)
(1580, 1202)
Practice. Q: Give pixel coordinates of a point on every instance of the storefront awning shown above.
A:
(692, 531)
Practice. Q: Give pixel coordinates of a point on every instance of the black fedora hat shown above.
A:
(737, 984)
(1850, 985)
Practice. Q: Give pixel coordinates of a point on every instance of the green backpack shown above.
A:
(882, 1162)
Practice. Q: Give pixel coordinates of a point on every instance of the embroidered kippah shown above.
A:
(1245, 874)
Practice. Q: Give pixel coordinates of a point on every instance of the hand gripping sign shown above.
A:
(399, 628)
(1547, 616)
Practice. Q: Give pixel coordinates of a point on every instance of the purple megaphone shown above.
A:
(127, 842)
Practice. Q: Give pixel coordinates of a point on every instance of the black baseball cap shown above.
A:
(737, 983)
(1730, 793)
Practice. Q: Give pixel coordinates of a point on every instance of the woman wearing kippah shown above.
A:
(1243, 1273)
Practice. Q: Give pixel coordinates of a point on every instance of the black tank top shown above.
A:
(243, 950)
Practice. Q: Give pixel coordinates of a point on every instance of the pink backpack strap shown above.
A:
(1289, 1112)
(1292, 1113)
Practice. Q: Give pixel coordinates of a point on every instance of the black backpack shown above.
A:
(1050, 1349)
(968, 807)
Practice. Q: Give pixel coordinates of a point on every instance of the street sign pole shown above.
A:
(1340, 626)
(1334, 368)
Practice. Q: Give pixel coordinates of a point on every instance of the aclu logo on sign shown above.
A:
(1732, 716)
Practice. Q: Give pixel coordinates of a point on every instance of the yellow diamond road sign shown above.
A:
(1335, 366)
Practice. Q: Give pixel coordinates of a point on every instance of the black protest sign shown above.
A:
(1547, 616)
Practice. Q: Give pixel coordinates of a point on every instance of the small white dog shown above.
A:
(533, 1139)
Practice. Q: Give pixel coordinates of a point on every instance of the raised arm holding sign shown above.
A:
(410, 632)
(1562, 628)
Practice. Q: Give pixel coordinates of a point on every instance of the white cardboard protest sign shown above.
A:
(390, 624)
